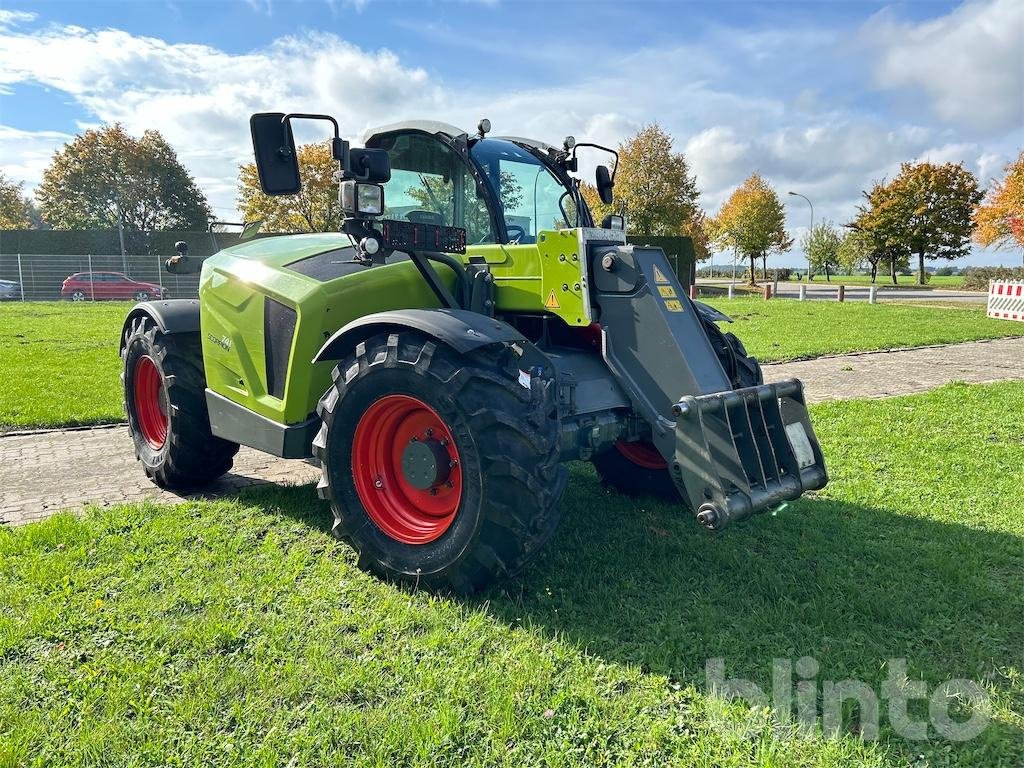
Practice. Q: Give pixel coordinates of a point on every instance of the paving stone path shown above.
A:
(44, 472)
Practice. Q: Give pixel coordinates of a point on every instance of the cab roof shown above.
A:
(425, 126)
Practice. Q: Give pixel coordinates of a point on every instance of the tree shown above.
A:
(821, 245)
(752, 221)
(654, 189)
(999, 220)
(880, 224)
(314, 209)
(15, 211)
(931, 209)
(854, 252)
(105, 177)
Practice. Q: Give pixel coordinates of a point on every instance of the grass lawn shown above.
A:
(59, 363)
(238, 632)
(785, 329)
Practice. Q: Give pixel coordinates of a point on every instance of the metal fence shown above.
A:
(100, 277)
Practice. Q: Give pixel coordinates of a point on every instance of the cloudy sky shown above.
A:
(820, 97)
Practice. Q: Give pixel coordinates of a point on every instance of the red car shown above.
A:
(86, 286)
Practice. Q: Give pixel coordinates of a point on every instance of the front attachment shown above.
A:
(744, 451)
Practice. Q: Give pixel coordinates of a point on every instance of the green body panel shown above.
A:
(235, 282)
(548, 276)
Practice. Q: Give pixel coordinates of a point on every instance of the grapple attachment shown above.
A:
(745, 451)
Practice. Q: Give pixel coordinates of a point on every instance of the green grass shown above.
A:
(239, 633)
(783, 329)
(59, 363)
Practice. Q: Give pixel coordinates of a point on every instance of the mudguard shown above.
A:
(170, 315)
(460, 329)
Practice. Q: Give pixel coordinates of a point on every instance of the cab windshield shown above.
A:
(530, 196)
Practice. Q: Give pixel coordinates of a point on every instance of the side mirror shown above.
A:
(274, 148)
(372, 165)
(604, 184)
(613, 221)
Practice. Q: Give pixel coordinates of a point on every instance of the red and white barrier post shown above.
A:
(1006, 299)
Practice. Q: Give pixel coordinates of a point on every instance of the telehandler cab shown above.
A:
(468, 331)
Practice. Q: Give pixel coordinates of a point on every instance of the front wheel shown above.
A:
(78, 295)
(441, 469)
(165, 398)
(141, 296)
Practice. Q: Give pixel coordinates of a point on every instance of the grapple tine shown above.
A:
(745, 451)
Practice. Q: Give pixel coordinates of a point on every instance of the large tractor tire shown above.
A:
(164, 396)
(637, 469)
(441, 469)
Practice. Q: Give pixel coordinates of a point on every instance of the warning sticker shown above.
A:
(552, 302)
(667, 291)
(672, 305)
(659, 276)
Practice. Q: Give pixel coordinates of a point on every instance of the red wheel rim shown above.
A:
(403, 511)
(643, 454)
(150, 402)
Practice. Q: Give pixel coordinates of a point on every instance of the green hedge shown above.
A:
(977, 278)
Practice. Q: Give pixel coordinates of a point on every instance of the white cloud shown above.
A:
(969, 63)
(769, 105)
(14, 18)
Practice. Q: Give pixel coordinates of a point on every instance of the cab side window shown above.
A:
(431, 184)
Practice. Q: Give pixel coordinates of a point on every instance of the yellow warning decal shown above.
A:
(552, 302)
(659, 276)
(667, 291)
(673, 306)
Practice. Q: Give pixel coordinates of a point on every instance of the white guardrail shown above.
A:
(1006, 299)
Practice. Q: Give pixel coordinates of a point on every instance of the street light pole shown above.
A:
(797, 194)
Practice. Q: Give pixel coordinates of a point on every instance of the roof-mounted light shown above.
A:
(483, 127)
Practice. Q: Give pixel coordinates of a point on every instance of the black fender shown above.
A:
(460, 329)
(170, 316)
(711, 313)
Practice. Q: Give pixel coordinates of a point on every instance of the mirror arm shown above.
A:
(339, 147)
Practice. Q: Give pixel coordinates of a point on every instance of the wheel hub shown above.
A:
(425, 463)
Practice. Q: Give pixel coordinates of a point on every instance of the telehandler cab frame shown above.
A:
(467, 332)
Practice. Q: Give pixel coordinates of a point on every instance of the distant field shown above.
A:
(59, 363)
(936, 281)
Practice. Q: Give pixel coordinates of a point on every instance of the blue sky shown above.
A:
(820, 97)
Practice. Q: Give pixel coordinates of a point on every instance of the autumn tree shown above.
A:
(821, 245)
(880, 225)
(931, 209)
(106, 176)
(15, 212)
(752, 221)
(314, 209)
(999, 220)
(655, 190)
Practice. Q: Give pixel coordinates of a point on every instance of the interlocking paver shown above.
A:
(45, 472)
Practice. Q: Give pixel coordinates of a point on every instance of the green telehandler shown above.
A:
(468, 331)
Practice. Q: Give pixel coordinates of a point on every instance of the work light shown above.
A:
(361, 198)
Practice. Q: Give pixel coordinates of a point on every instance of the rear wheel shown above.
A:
(165, 398)
(636, 468)
(440, 468)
